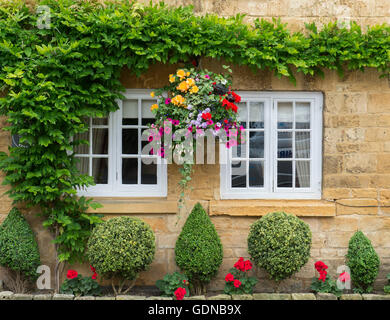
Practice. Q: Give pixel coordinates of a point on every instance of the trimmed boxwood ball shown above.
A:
(363, 262)
(18, 247)
(121, 247)
(198, 249)
(279, 243)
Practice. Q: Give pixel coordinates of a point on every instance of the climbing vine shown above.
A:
(54, 77)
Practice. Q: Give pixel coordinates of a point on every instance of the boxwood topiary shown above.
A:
(19, 251)
(363, 262)
(121, 248)
(280, 243)
(198, 249)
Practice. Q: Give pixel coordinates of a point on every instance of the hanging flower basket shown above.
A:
(195, 104)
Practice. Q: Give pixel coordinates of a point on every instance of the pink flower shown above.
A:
(167, 130)
(167, 101)
(344, 277)
(207, 76)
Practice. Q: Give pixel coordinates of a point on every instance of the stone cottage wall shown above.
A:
(356, 158)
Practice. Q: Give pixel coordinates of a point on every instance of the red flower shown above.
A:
(206, 116)
(319, 265)
(247, 265)
(229, 105)
(94, 276)
(236, 97)
(229, 277)
(92, 269)
(180, 293)
(323, 274)
(240, 264)
(237, 283)
(72, 274)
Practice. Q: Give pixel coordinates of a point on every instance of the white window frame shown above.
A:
(114, 187)
(270, 190)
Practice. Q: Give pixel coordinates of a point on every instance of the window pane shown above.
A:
(100, 141)
(130, 141)
(82, 148)
(147, 115)
(302, 174)
(284, 145)
(302, 115)
(82, 165)
(130, 112)
(285, 174)
(129, 171)
(100, 170)
(256, 145)
(256, 174)
(256, 115)
(239, 151)
(285, 115)
(302, 144)
(238, 174)
(148, 173)
(100, 121)
(242, 113)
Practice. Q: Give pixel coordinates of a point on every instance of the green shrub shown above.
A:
(280, 243)
(19, 251)
(386, 289)
(363, 262)
(121, 248)
(198, 249)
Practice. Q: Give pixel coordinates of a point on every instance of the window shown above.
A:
(113, 157)
(281, 158)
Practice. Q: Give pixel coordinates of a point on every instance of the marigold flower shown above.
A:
(153, 107)
(183, 86)
(194, 89)
(181, 73)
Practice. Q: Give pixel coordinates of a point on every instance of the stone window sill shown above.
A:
(304, 208)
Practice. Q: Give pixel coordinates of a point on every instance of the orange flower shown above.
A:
(172, 78)
(153, 107)
(190, 82)
(183, 86)
(188, 74)
(181, 73)
(194, 89)
(178, 100)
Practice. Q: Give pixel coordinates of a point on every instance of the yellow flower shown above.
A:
(152, 94)
(194, 89)
(172, 78)
(181, 73)
(190, 82)
(183, 86)
(178, 100)
(188, 74)
(153, 107)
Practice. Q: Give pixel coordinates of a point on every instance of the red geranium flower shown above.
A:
(229, 105)
(94, 276)
(237, 283)
(92, 269)
(247, 265)
(323, 274)
(240, 264)
(236, 97)
(319, 265)
(229, 277)
(206, 116)
(72, 274)
(180, 293)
